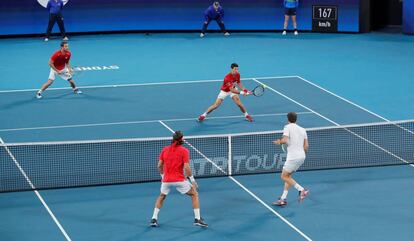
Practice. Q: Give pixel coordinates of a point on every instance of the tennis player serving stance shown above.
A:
(60, 65)
(229, 88)
(173, 162)
(297, 146)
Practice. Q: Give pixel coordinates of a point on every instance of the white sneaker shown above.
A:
(202, 35)
(226, 34)
(46, 39)
(284, 33)
(38, 95)
(77, 91)
(295, 33)
(65, 38)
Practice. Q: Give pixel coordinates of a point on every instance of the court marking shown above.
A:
(143, 122)
(35, 191)
(333, 122)
(352, 103)
(144, 84)
(243, 187)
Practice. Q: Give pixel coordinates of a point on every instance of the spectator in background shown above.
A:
(214, 12)
(290, 10)
(55, 14)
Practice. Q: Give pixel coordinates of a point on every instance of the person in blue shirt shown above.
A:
(55, 15)
(214, 12)
(290, 10)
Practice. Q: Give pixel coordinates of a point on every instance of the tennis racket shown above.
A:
(258, 90)
(76, 71)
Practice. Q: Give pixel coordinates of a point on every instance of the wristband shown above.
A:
(191, 179)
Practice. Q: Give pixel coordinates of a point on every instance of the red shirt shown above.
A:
(174, 158)
(229, 81)
(60, 59)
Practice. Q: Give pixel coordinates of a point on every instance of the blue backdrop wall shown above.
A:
(408, 16)
(29, 17)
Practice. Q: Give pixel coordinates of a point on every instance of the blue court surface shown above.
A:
(372, 203)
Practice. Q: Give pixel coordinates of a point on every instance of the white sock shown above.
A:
(284, 195)
(204, 114)
(197, 213)
(155, 215)
(40, 91)
(299, 187)
(246, 114)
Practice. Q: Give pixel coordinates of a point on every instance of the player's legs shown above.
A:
(73, 85)
(214, 106)
(194, 198)
(61, 26)
(295, 25)
(285, 24)
(46, 85)
(158, 205)
(66, 75)
(160, 200)
(289, 168)
(49, 82)
(287, 178)
(205, 25)
(164, 190)
(52, 20)
(238, 102)
(220, 23)
(196, 207)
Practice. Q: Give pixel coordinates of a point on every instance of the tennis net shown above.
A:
(45, 165)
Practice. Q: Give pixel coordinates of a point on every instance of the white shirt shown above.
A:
(296, 138)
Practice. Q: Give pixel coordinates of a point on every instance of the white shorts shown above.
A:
(223, 94)
(293, 165)
(183, 187)
(64, 75)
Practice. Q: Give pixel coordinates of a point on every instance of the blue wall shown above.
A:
(408, 16)
(29, 17)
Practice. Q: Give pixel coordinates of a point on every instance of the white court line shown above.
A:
(144, 84)
(245, 189)
(139, 122)
(35, 191)
(352, 103)
(333, 122)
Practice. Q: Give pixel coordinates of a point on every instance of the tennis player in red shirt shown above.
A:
(231, 80)
(173, 162)
(60, 65)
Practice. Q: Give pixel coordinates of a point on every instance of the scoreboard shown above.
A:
(324, 18)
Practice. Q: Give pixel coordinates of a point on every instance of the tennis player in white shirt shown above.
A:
(296, 139)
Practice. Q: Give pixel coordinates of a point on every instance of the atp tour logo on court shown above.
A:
(242, 164)
(44, 2)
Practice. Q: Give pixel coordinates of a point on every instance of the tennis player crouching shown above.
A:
(173, 162)
(297, 146)
(60, 65)
(231, 80)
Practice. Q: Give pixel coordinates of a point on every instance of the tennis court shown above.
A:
(344, 203)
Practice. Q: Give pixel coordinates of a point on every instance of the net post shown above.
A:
(229, 160)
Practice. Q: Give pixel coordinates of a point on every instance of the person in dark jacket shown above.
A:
(214, 12)
(55, 15)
